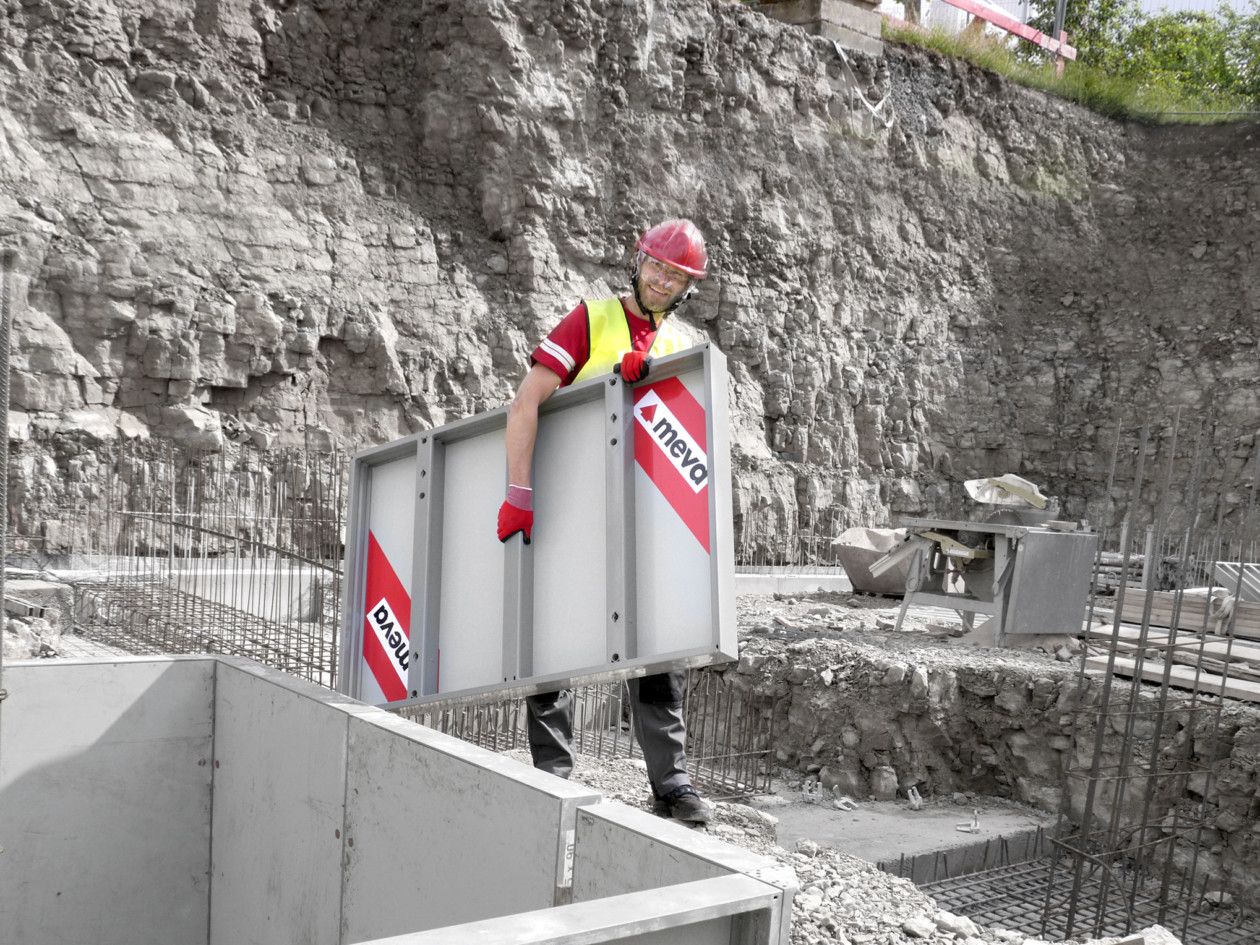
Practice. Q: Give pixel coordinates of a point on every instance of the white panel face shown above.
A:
(675, 603)
(471, 616)
(391, 521)
(671, 504)
(392, 511)
(569, 544)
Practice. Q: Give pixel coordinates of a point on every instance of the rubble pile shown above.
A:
(842, 898)
(876, 712)
(37, 615)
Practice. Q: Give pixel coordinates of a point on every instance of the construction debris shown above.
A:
(971, 826)
(916, 801)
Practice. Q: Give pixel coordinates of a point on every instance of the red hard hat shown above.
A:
(678, 243)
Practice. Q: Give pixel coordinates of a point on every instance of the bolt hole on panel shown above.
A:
(630, 569)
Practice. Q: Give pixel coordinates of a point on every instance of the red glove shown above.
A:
(634, 366)
(513, 519)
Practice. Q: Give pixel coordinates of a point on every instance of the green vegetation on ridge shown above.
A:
(1172, 67)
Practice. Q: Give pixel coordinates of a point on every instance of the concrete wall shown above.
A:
(348, 821)
(105, 801)
(214, 800)
(621, 850)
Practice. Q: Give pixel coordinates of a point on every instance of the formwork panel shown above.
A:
(630, 569)
(105, 801)
(440, 832)
(279, 808)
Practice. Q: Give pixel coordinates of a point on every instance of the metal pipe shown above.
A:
(6, 329)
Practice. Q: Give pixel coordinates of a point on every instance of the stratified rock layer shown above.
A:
(333, 224)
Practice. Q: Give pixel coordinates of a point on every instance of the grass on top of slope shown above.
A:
(1111, 95)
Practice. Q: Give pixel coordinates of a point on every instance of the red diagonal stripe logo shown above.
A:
(669, 445)
(386, 624)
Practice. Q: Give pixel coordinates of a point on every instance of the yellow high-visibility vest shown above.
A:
(610, 337)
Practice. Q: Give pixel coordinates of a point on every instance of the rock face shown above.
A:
(303, 223)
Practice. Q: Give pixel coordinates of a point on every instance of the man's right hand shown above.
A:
(513, 519)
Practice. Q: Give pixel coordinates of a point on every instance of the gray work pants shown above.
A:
(656, 703)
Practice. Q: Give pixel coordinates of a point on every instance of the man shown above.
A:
(593, 339)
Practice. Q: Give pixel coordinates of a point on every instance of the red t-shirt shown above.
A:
(568, 347)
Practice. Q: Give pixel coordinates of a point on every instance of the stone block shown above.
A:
(27, 638)
(139, 392)
(843, 782)
(194, 427)
(100, 423)
(155, 82)
(44, 392)
(884, 783)
(851, 23)
(19, 426)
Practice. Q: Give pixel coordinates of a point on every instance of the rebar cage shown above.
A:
(184, 551)
(728, 738)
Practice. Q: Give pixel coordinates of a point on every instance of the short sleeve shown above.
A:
(566, 349)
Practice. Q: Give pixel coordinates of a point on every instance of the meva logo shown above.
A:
(683, 451)
(389, 632)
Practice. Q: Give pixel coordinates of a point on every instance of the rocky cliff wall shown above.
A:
(322, 224)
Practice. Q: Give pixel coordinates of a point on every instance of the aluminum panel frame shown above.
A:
(509, 665)
(724, 910)
(351, 678)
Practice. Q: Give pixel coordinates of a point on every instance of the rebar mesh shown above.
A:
(1008, 898)
(184, 551)
(1138, 749)
(728, 738)
(765, 539)
(1128, 851)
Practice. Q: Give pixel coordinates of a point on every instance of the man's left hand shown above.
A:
(635, 366)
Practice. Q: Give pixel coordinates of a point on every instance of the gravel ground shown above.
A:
(842, 898)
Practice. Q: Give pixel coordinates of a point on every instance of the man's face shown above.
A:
(660, 284)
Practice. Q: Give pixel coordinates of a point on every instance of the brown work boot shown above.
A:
(684, 804)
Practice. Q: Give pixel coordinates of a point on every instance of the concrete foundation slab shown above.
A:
(885, 831)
